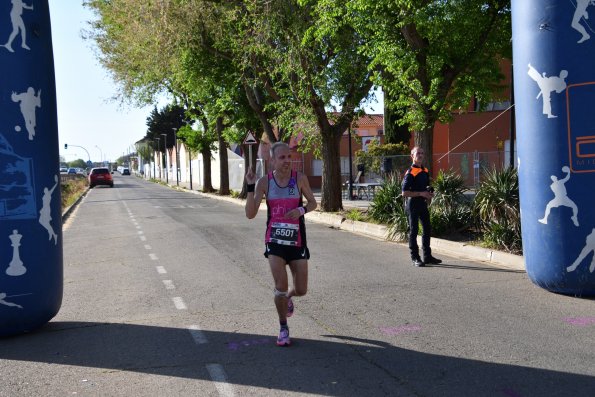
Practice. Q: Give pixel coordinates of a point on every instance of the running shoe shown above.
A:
(289, 307)
(283, 339)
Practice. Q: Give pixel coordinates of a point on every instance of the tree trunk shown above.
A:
(424, 139)
(207, 185)
(223, 163)
(331, 172)
(393, 132)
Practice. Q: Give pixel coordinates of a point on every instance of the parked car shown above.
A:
(125, 171)
(72, 171)
(63, 170)
(100, 176)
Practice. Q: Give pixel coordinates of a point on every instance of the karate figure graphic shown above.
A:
(29, 101)
(45, 216)
(560, 197)
(16, 17)
(589, 246)
(547, 85)
(3, 302)
(581, 13)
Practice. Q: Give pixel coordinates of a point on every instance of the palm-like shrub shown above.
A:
(450, 211)
(388, 207)
(497, 208)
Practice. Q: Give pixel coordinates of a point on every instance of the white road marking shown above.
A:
(169, 284)
(217, 373)
(153, 257)
(137, 226)
(197, 334)
(143, 238)
(147, 247)
(140, 232)
(161, 270)
(179, 303)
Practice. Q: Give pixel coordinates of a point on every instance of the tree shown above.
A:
(78, 163)
(432, 56)
(318, 75)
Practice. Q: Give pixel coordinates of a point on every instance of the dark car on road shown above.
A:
(100, 176)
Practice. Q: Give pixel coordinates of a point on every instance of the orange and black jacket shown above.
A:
(416, 179)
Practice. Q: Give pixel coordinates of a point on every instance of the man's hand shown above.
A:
(293, 214)
(250, 177)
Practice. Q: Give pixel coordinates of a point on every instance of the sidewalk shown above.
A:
(452, 248)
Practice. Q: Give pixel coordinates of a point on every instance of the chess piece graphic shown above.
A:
(15, 267)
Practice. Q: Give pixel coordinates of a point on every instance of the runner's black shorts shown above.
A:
(286, 252)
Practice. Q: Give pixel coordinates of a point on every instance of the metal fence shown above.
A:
(472, 166)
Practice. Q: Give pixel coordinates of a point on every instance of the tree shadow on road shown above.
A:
(331, 365)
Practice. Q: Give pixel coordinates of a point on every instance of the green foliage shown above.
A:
(497, 207)
(71, 190)
(450, 211)
(78, 163)
(355, 215)
(373, 157)
(388, 207)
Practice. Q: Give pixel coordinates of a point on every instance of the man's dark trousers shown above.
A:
(417, 210)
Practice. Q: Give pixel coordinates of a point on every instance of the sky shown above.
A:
(88, 117)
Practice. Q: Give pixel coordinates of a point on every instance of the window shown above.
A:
(492, 106)
(316, 167)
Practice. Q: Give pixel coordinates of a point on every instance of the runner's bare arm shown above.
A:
(311, 204)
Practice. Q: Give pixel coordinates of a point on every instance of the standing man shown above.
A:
(416, 188)
(285, 238)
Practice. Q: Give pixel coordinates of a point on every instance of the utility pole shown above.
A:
(166, 162)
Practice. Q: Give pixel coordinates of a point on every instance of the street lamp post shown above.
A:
(177, 155)
(153, 160)
(160, 158)
(101, 155)
(166, 162)
(86, 151)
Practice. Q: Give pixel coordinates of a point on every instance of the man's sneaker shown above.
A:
(283, 339)
(418, 263)
(432, 261)
(289, 307)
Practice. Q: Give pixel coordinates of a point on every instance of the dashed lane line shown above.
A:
(218, 376)
(179, 303)
(197, 334)
(169, 284)
(161, 270)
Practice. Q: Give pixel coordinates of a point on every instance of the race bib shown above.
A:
(285, 233)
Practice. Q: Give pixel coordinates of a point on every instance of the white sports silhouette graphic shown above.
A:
(560, 197)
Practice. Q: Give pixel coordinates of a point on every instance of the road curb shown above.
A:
(447, 247)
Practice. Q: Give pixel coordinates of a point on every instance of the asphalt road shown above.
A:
(167, 293)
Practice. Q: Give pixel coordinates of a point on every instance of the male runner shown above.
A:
(285, 238)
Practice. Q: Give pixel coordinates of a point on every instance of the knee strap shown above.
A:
(280, 293)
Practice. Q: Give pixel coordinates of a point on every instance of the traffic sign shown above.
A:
(250, 140)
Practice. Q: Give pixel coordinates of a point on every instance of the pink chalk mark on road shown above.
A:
(580, 321)
(400, 329)
(235, 346)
